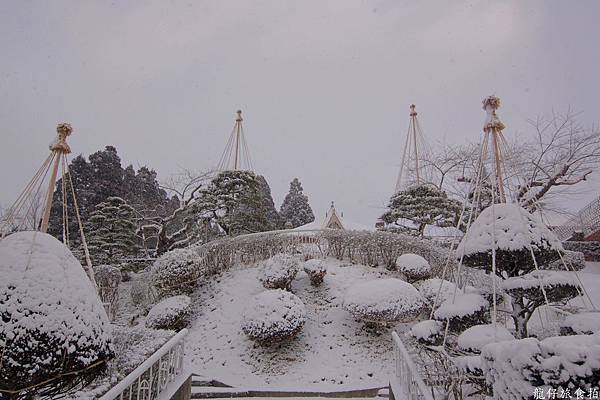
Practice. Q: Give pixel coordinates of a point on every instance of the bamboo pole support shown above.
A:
(238, 130)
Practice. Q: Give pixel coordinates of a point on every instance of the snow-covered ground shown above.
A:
(333, 350)
(590, 278)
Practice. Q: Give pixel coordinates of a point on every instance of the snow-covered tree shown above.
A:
(295, 208)
(112, 231)
(522, 247)
(411, 210)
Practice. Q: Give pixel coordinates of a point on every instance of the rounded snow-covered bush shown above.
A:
(273, 315)
(586, 323)
(463, 311)
(429, 332)
(176, 272)
(54, 334)
(474, 338)
(172, 313)
(381, 301)
(413, 266)
(316, 271)
(436, 288)
(279, 271)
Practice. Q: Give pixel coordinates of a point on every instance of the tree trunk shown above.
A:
(519, 318)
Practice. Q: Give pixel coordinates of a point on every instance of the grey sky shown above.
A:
(324, 85)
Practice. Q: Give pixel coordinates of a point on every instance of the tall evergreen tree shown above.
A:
(411, 210)
(295, 208)
(112, 231)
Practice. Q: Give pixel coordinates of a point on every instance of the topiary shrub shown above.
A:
(586, 323)
(429, 332)
(55, 335)
(273, 315)
(176, 272)
(463, 311)
(436, 288)
(278, 272)
(316, 271)
(383, 301)
(413, 266)
(172, 313)
(474, 338)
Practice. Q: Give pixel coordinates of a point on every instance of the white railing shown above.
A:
(407, 379)
(587, 220)
(152, 377)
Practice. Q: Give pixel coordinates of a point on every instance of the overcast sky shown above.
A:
(324, 85)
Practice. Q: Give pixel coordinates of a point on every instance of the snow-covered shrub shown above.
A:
(463, 311)
(586, 323)
(273, 315)
(108, 279)
(428, 332)
(176, 272)
(571, 261)
(413, 266)
(316, 271)
(172, 313)
(54, 334)
(382, 301)
(474, 338)
(434, 288)
(279, 271)
(516, 368)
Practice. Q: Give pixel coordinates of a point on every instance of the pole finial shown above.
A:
(239, 116)
(490, 105)
(60, 145)
(413, 113)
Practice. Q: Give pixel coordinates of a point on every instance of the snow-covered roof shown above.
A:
(508, 227)
(333, 216)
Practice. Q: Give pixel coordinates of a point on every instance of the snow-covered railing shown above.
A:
(152, 377)
(407, 382)
(587, 220)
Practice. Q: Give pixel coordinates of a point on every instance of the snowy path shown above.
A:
(332, 352)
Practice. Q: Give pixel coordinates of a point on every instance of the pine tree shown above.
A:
(295, 208)
(112, 231)
(421, 205)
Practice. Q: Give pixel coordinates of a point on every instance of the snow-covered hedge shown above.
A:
(515, 368)
(413, 266)
(172, 313)
(279, 271)
(316, 271)
(54, 333)
(382, 301)
(463, 311)
(436, 288)
(428, 332)
(571, 261)
(273, 315)
(474, 338)
(586, 323)
(176, 272)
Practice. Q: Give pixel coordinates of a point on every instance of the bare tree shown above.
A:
(176, 229)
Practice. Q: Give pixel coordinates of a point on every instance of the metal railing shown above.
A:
(152, 377)
(407, 378)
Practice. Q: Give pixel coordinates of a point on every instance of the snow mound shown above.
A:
(413, 266)
(279, 271)
(273, 315)
(474, 338)
(384, 300)
(515, 368)
(430, 288)
(176, 272)
(52, 319)
(429, 332)
(172, 313)
(507, 228)
(463, 311)
(316, 271)
(586, 323)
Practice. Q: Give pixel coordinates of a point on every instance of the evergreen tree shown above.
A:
(107, 175)
(295, 208)
(411, 210)
(112, 231)
(274, 220)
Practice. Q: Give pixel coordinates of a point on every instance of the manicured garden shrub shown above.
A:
(176, 272)
(279, 271)
(316, 270)
(428, 332)
(273, 315)
(463, 311)
(171, 313)
(413, 266)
